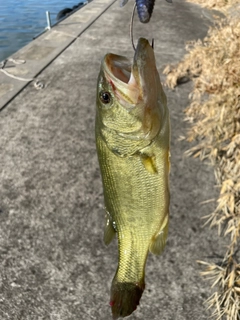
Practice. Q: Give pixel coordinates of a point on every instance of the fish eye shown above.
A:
(105, 97)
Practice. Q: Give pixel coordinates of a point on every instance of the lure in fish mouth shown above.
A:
(132, 139)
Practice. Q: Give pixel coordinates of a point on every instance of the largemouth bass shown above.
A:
(132, 138)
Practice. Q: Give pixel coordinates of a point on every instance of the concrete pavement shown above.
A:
(53, 263)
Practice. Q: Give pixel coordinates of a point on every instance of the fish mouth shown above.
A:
(130, 81)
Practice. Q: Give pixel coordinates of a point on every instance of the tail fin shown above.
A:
(125, 297)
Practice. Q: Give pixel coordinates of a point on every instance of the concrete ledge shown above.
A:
(42, 51)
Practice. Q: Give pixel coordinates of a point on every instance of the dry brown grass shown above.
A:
(214, 113)
(226, 277)
(215, 4)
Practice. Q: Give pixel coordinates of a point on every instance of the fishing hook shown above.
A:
(131, 28)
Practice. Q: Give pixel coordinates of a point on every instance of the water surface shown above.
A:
(21, 20)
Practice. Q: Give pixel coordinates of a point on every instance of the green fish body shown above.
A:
(132, 139)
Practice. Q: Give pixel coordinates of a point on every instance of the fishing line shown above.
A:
(131, 27)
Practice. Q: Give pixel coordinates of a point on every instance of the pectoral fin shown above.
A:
(159, 241)
(149, 163)
(109, 232)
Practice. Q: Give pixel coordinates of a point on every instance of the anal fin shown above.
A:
(109, 231)
(159, 241)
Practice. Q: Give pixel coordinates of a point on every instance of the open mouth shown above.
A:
(118, 72)
(120, 68)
